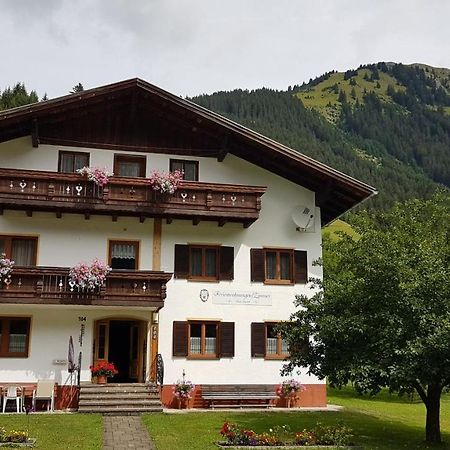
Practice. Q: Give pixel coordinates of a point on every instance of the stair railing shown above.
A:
(159, 369)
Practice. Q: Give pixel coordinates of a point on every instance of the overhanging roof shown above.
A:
(128, 115)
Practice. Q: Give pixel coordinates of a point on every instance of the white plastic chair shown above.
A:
(13, 393)
(45, 390)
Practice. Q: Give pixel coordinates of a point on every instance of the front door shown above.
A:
(121, 342)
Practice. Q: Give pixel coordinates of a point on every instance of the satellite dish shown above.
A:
(303, 218)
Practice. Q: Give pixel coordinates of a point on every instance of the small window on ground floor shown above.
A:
(124, 255)
(267, 341)
(14, 336)
(203, 339)
(21, 249)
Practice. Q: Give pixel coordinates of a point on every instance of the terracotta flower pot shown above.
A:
(102, 379)
(184, 403)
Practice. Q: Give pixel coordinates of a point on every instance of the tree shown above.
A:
(77, 88)
(381, 317)
(17, 96)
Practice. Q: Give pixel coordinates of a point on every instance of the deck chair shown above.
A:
(45, 390)
(12, 393)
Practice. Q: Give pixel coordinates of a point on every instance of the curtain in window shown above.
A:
(2, 246)
(190, 170)
(285, 266)
(123, 251)
(271, 265)
(17, 336)
(211, 262)
(210, 338)
(129, 169)
(196, 262)
(23, 251)
(66, 162)
(195, 340)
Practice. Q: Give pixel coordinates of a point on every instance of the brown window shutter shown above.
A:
(258, 340)
(180, 339)
(226, 339)
(181, 266)
(300, 266)
(257, 264)
(226, 263)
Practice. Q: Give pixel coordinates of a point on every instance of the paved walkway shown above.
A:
(125, 432)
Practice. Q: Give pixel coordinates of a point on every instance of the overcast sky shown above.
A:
(200, 46)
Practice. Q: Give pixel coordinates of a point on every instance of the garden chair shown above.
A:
(45, 390)
(13, 393)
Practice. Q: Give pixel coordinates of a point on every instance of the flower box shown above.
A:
(31, 442)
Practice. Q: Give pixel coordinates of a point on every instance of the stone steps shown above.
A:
(119, 398)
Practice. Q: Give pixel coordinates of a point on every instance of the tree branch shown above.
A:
(421, 391)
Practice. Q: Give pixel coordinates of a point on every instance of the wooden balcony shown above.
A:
(51, 285)
(30, 191)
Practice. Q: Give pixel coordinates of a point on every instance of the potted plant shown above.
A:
(6, 267)
(103, 370)
(88, 277)
(165, 182)
(183, 390)
(96, 174)
(288, 391)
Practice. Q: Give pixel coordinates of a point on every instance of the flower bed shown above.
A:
(15, 438)
(282, 437)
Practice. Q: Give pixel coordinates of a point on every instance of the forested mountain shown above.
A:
(386, 124)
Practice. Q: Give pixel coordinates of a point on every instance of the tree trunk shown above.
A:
(433, 404)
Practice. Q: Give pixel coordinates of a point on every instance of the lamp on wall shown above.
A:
(155, 317)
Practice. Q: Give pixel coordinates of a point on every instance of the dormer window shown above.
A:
(189, 168)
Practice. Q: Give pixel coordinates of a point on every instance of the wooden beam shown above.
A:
(35, 133)
(157, 232)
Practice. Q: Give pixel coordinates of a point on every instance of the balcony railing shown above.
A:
(72, 193)
(51, 285)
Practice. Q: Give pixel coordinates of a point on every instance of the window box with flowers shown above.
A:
(165, 182)
(103, 370)
(100, 176)
(6, 267)
(88, 277)
(289, 392)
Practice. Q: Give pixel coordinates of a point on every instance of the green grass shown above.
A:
(380, 423)
(59, 431)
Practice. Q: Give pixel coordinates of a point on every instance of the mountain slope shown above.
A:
(386, 124)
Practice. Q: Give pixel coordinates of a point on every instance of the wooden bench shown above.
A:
(233, 395)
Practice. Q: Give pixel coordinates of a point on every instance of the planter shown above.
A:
(287, 402)
(29, 443)
(284, 447)
(102, 379)
(184, 403)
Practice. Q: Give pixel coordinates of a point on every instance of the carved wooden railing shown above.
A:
(52, 285)
(66, 192)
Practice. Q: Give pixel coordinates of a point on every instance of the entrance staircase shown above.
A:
(119, 398)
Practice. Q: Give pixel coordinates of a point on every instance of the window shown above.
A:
(278, 266)
(14, 336)
(203, 339)
(129, 166)
(124, 254)
(22, 250)
(204, 262)
(189, 168)
(267, 341)
(72, 161)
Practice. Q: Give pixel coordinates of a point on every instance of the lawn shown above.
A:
(380, 423)
(59, 431)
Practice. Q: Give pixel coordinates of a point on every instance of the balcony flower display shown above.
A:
(96, 174)
(165, 182)
(89, 276)
(6, 267)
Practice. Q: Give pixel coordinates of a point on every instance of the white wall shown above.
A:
(51, 327)
(66, 241)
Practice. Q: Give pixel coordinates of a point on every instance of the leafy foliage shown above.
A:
(384, 319)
